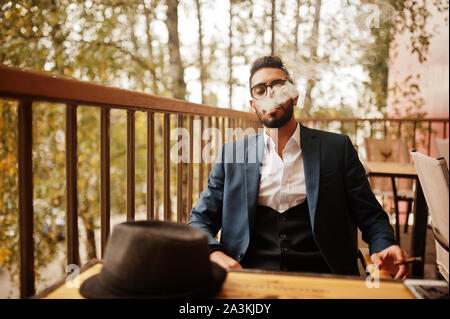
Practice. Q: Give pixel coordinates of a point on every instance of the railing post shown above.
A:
(150, 165)
(131, 165)
(233, 126)
(104, 177)
(180, 172)
(223, 130)
(167, 209)
(27, 284)
(445, 129)
(429, 138)
(216, 138)
(190, 176)
(200, 164)
(209, 126)
(71, 180)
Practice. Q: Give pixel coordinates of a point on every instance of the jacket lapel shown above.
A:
(253, 162)
(311, 162)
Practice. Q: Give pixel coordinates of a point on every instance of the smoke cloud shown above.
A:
(279, 97)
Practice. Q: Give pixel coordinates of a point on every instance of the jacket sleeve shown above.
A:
(207, 213)
(365, 209)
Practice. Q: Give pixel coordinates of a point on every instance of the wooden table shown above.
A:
(252, 284)
(418, 243)
(388, 169)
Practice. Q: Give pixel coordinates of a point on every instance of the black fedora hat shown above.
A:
(155, 259)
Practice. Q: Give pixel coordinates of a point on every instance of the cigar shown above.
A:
(408, 260)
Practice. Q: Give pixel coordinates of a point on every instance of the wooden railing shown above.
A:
(27, 87)
(418, 132)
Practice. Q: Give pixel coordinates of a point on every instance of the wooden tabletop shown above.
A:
(391, 169)
(249, 284)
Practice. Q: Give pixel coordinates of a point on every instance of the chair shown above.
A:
(433, 177)
(391, 150)
(442, 148)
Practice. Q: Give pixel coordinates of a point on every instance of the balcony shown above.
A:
(26, 88)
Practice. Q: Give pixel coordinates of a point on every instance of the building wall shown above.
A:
(434, 73)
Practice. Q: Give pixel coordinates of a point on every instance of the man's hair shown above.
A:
(268, 62)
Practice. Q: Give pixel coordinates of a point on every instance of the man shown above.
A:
(294, 207)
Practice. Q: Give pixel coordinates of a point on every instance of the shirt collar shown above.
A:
(296, 137)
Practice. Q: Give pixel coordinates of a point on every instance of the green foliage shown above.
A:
(74, 39)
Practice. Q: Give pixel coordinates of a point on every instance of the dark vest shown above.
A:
(284, 242)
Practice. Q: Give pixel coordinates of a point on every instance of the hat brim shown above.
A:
(94, 288)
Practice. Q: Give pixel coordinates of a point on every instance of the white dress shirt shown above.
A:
(282, 183)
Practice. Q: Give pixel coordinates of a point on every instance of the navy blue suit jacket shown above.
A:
(338, 194)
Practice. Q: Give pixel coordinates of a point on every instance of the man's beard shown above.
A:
(277, 122)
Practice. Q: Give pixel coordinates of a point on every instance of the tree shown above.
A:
(272, 27)
(176, 65)
(314, 42)
(297, 24)
(200, 50)
(149, 13)
(230, 54)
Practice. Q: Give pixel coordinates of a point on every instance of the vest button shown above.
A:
(283, 235)
(284, 250)
(283, 218)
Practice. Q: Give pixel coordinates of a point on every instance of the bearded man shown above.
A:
(295, 205)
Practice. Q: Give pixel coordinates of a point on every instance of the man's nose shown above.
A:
(269, 91)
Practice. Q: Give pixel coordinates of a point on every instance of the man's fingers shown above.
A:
(236, 265)
(376, 260)
(224, 261)
(400, 255)
(230, 263)
(402, 271)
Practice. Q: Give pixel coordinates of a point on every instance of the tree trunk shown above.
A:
(148, 18)
(134, 41)
(57, 39)
(307, 104)
(200, 49)
(272, 44)
(297, 23)
(176, 67)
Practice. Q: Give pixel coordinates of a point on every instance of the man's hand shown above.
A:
(385, 260)
(223, 260)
